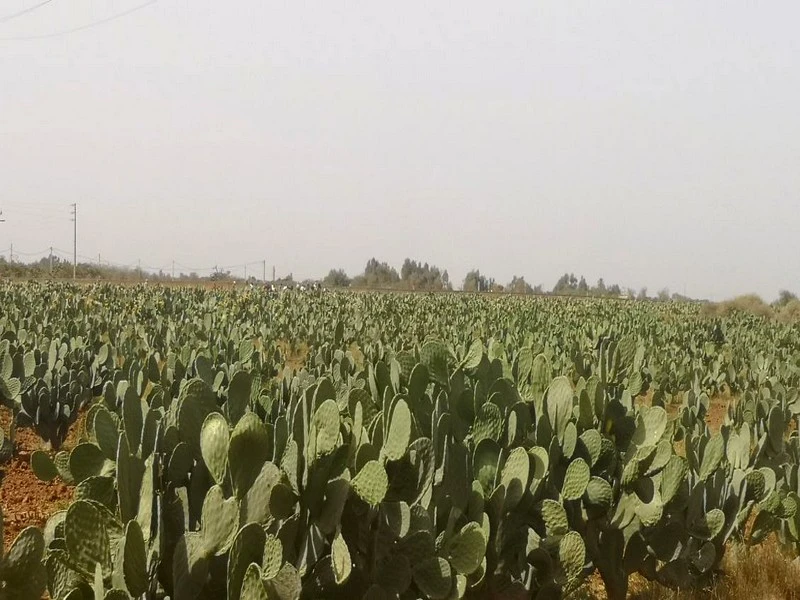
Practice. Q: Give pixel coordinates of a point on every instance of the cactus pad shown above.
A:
(214, 439)
(467, 549)
(576, 480)
(371, 483)
(434, 578)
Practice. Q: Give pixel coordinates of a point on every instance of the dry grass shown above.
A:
(295, 354)
(787, 313)
(750, 303)
(761, 572)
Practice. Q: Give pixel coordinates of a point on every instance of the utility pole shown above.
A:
(173, 269)
(264, 271)
(74, 240)
(51, 261)
(11, 253)
(273, 273)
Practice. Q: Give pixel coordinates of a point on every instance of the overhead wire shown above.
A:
(24, 11)
(90, 25)
(67, 255)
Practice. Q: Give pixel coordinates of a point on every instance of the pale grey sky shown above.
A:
(650, 143)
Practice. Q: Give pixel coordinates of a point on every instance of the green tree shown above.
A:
(336, 278)
(518, 285)
(475, 282)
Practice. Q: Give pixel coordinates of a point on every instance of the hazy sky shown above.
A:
(650, 143)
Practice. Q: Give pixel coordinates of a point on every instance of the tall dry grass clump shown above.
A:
(762, 572)
(749, 303)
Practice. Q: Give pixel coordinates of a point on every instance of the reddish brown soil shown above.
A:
(26, 500)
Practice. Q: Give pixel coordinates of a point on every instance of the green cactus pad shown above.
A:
(340, 559)
(324, 433)
(709, 525)
(398, 435)
(43, 466)
(650, 513)
(247, 452)
(434, 578)
(106, 432)
(704, 558)
(417, 546)
(252, 585)
(569, 441)
(239, 391)
(85, 460)
(255, 505)
(61, 578)
(394, 573)
(672, 477)
(190, 566)
(775, 429)
(100, 489)
(180, 463)
(371, 483)
(435, 356)
(130, 472)
(24, 557)
(86, 537)
(713, 454)
(575, 480)
(488, 423)
(514, 477)
(196, 401)
(559, 404)
(467, 549)
(650, 426)
(336, 494)
(286, 585)
(592, 442)
(599, 494)
(397, 516)
(555, 517)
(220, 517)
(247, 548)
(134, 576)
(572, 555)
(282, 501)
(272, 560)
(133, 409)
(214, 440)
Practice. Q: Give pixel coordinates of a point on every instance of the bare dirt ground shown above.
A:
(26, 500)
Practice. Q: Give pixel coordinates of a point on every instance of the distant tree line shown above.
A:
(414, 275)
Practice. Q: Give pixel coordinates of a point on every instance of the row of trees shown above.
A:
(413, 275)
(420, 276)
(380, 275)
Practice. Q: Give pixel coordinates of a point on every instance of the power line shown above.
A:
(24, 11)
(113, 17)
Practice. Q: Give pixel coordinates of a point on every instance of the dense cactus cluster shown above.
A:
(433, 447)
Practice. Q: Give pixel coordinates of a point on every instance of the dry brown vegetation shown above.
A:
(762, 572)
(788, 312)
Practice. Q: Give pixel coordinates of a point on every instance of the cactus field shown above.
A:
(243, 444)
